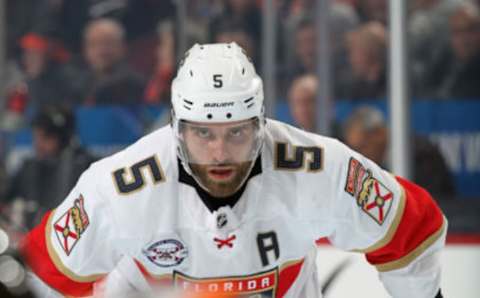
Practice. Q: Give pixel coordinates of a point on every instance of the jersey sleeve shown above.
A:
(394, 222)
(73, 246)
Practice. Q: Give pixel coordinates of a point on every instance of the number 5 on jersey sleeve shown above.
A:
(304, 158)
(133, 179)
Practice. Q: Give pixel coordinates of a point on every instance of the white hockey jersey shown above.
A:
(131, 223)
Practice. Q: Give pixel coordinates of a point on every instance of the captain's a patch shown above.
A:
(71, 225)
(372, 196)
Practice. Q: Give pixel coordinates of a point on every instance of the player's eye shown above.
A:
(236, 132)
(239, 134)
(203, 132)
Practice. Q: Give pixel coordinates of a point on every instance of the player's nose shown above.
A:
(218, 149)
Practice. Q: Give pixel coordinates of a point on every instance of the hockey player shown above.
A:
(227, 202)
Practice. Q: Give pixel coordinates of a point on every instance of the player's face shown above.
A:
(220, 155)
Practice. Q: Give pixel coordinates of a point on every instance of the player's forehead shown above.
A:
(220, 125)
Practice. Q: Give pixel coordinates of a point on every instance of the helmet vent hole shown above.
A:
(209, 116)
(201, 47)
(187, 102)
(229, 115)
(250, 105)
(243, 71)
(191, 73)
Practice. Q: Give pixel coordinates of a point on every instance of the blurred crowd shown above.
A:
(124, 52)
(66, 54)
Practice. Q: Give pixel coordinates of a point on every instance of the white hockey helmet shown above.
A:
(216, 83)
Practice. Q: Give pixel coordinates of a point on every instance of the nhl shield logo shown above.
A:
(166, 253)
(221, 220)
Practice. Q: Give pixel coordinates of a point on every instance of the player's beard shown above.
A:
(222, 189)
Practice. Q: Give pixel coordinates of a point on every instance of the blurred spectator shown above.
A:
(107, 78)
(343, 19)
(67, 19)
(245, 13)
(300, 39)
(367, 54)
(305, 47)
(158, 87)
(42, 78)
(46, 75)
(141, 19)
(44, 180)
(427, 18)
(365, 130)
(301, 101)
(230, 31)
(302, 98)
(456, 72)
(22, 18)
(300, 30)
(301, 51)
(373, 11)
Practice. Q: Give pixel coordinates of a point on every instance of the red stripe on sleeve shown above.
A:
(421, 218)
(35, 253)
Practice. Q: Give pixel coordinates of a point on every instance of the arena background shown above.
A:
(417, 62)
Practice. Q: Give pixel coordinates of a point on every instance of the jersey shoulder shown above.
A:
(153, 154)
(280, 134)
